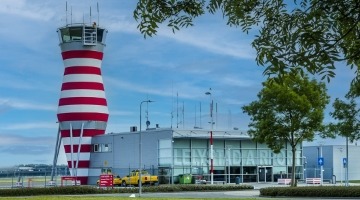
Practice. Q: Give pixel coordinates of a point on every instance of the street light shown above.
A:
(321, 165)
(211, 140)
(341, 166)
(140, 149)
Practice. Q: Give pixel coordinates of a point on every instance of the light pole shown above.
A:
(321, 166)
(347, 162)
(211, 140)
(304, 174)
(341, 166)
(229, 165)
(140, 149)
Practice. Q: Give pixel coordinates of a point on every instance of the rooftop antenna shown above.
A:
(90, 16)
(183, 113)
(71, 15)
(195, 115)
(229, 119)
(66, 12)
(147, 114)
(97, 8)
(216, 116)
(177, 110)
(172, 103)
(200, 114)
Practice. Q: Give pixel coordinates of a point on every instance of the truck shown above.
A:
(133, 178)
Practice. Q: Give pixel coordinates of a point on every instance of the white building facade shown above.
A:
(171, 153)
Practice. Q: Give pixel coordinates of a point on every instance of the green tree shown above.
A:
(287, 113)
(347, 115)
(295, 37)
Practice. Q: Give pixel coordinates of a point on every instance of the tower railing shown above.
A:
(90, 35)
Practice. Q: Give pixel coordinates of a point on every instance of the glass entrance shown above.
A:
(265, 174)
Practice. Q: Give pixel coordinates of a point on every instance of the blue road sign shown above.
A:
(321, 161)
(344, 162)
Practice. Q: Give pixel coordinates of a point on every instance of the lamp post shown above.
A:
(140, 149)
(211, 140)
(321, 166)
(347, 162)
(341, 166)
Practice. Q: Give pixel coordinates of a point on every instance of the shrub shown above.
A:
(75, 190)
(311, 191)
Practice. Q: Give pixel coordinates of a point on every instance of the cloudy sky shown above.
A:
(174, 70)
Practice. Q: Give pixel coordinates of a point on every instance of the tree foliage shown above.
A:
(287, 113)
(347, 115)
(295, 37)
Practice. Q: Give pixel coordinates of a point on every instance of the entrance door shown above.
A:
(264, 174)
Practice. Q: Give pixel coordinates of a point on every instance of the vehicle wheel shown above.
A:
(123, 184)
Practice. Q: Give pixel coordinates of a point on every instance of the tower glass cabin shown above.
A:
(82, 110)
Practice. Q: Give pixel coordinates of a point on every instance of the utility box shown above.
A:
(185, 178)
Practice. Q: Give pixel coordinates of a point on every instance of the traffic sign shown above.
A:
(106, 180)
(344, 162)
(321, 161)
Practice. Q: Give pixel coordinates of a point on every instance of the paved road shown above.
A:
(254, 194)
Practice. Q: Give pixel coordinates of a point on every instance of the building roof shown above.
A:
(216, 134)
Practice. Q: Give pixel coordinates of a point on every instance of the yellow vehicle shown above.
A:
(133, 178)
(116, 181)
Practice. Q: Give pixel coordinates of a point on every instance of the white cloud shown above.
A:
(121, 113)
(9, 140)
(212, 41)
(22, 105)
(237, 81)
(26, 9)
(27, 126)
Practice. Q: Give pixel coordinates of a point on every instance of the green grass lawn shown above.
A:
(111, 198)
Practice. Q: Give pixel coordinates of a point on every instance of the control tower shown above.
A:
(82, 111)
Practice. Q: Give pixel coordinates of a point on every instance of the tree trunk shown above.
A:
(293, 150)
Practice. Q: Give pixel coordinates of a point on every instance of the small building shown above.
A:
(335, 162)
(171, 153)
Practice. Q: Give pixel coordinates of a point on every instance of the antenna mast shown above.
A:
(97, 7)
(200, 114)
(183, 112)
(71, 14)
(195, 115)
(90, 16)
(66, 13)
(177, 110)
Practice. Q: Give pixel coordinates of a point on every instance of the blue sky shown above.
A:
(188, 63)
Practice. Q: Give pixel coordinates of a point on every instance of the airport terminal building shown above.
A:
(171, 153)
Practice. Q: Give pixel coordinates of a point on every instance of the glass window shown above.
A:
(218, 144)
(232, 144)
(106, 147)
(248, 144)
(96, 148)
(181, 143)
(199, 143)
(165, 153)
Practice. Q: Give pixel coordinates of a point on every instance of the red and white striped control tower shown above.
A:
(82, 111)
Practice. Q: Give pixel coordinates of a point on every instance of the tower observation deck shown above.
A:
(82, 109)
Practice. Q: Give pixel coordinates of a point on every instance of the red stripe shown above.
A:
(82, 164)
(82, 100)
(82, 54)
(85, 148)
(82, 85)
(86, 133)
(85, 116)
(82, 70)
